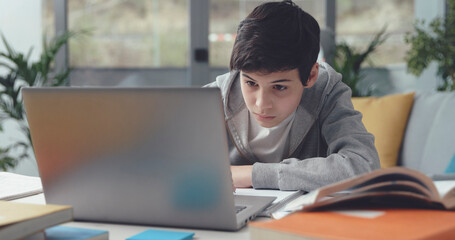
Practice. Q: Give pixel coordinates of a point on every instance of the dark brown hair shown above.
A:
(276, 36)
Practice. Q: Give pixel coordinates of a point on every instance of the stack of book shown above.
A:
(20, 220)
(392, 203)
(38, 222)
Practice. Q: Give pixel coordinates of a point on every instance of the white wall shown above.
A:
(20, 23)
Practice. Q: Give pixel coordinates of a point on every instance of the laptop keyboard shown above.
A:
(239, 208)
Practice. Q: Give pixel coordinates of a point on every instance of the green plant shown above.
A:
(21, 73)
(348, 62)
(435, 44)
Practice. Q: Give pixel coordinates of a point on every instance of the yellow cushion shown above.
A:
(386, 118)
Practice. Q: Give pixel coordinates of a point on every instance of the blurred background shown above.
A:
(188, 42)
(149, 41)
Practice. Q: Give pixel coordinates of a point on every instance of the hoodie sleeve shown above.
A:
(350, 151)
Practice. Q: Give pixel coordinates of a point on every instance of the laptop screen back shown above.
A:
(134, 155)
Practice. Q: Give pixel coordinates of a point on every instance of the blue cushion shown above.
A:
(451, 167)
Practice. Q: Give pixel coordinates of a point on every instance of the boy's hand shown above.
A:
(242, 176)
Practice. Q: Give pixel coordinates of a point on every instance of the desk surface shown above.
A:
(122, 231)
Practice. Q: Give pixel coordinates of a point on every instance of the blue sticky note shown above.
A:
(451, 167)
(74, 233)
(162, 235)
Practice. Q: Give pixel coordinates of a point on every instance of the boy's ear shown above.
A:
(313, 76)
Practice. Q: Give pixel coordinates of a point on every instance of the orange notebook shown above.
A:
(387, 224)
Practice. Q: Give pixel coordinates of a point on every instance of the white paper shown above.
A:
(13, 186)
(280, 195)
(280, 214)
(369, 214)
(444, 186)
(301, 202)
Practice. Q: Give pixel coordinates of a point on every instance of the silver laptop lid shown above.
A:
(135, 155)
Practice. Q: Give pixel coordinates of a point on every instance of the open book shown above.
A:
(395, 187)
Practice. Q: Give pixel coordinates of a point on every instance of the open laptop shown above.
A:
(154, 156)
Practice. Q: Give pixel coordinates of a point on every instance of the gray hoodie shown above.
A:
(328, 141)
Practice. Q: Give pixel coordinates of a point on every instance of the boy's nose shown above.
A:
(263, 100)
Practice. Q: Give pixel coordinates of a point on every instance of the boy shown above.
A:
(291, 122)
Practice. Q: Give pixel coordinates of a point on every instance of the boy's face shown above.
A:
(271, 97)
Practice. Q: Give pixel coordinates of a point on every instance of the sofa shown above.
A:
(429, 141)
(413, 130)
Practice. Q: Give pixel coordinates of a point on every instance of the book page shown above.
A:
(14, 186)
(406, 186)
(385, 175)
(447, 191)
(444, 186)
(392, 199)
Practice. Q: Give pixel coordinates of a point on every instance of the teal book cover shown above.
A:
(75, 233)
(162, 235)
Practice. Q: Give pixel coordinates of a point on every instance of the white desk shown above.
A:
(123, 231)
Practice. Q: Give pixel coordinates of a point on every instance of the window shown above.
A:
(129, 34)
(48, 18)
(359, 20)
(152, 35)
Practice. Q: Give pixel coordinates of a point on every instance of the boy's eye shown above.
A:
(280, 87)
(251, 83)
